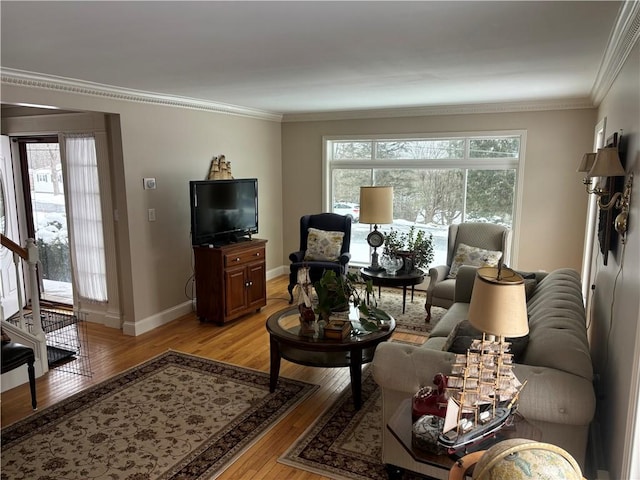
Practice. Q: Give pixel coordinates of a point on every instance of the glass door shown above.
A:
(46, 213)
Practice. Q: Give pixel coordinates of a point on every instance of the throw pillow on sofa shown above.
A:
(460, 338)
(323, 245)
(474, 256)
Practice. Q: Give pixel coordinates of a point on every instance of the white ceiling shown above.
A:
(304, 56)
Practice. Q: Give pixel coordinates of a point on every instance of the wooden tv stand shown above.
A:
(230, 280)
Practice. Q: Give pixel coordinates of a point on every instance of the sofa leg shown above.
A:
(393, 472)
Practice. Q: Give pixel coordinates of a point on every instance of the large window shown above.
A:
(438, 181)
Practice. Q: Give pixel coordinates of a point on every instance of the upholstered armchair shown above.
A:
(482, 244)
(325, 239)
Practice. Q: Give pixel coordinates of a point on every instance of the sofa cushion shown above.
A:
(463, 334)
(477, 257)
(323, 245)
(529, 287)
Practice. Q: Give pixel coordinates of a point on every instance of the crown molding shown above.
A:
(623, 38)
(23, 78)
(505, 107)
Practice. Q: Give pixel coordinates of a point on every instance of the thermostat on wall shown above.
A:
(149, 183)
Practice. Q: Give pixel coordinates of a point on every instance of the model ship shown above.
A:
(482, 394)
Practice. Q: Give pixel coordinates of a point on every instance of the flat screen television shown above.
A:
(223, 211)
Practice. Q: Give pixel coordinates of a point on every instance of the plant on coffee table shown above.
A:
(335, 293)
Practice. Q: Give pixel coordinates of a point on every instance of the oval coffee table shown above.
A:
(352, 351)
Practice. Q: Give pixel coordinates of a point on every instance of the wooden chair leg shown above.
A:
(427, 307)
(32, 384)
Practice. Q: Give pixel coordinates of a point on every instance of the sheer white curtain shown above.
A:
(85, 218)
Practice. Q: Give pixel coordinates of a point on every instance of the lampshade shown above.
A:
(498, 305)
(607, 164)
(376, 205)
(587, 162)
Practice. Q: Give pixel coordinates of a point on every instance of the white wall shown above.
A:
(554, 202)
(174, 145)
(616, 319)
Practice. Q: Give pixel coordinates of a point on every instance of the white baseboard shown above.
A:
(14, 378)
(276, 272)
(147, 324)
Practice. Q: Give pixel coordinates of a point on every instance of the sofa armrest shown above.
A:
(436, 274)
(296, 257)
(418, 366)
(344, 258)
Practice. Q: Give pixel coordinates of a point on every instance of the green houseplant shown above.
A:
(335, 293)
(415, 246)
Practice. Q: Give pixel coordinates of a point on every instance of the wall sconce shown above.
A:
(606, 163)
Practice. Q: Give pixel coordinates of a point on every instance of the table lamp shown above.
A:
(376, 207)
(498, 305)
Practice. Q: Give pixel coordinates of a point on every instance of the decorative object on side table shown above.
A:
(519, 459)
(376, 207)
(391, 264)
(482, 387)
(414, 247)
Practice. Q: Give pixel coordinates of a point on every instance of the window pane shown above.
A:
(351, 150)
(429, 198)
(490, 196)
(494, 147)
(421, 149)
(346, 201)
(347, 183)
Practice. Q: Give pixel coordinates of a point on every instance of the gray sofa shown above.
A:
(558, 399)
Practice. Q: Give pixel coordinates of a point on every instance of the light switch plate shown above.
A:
(149, 183)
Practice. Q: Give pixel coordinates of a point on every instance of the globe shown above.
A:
(520, 458)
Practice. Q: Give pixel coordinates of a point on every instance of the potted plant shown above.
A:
(336, 292)
(415, 247)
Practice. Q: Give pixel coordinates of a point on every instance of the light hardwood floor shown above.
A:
(243, 342)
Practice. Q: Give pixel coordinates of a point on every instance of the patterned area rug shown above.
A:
(176, 416)
(412, 321)
(344, 443)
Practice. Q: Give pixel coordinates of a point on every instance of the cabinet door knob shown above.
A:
(237, 259)
(257, 254)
